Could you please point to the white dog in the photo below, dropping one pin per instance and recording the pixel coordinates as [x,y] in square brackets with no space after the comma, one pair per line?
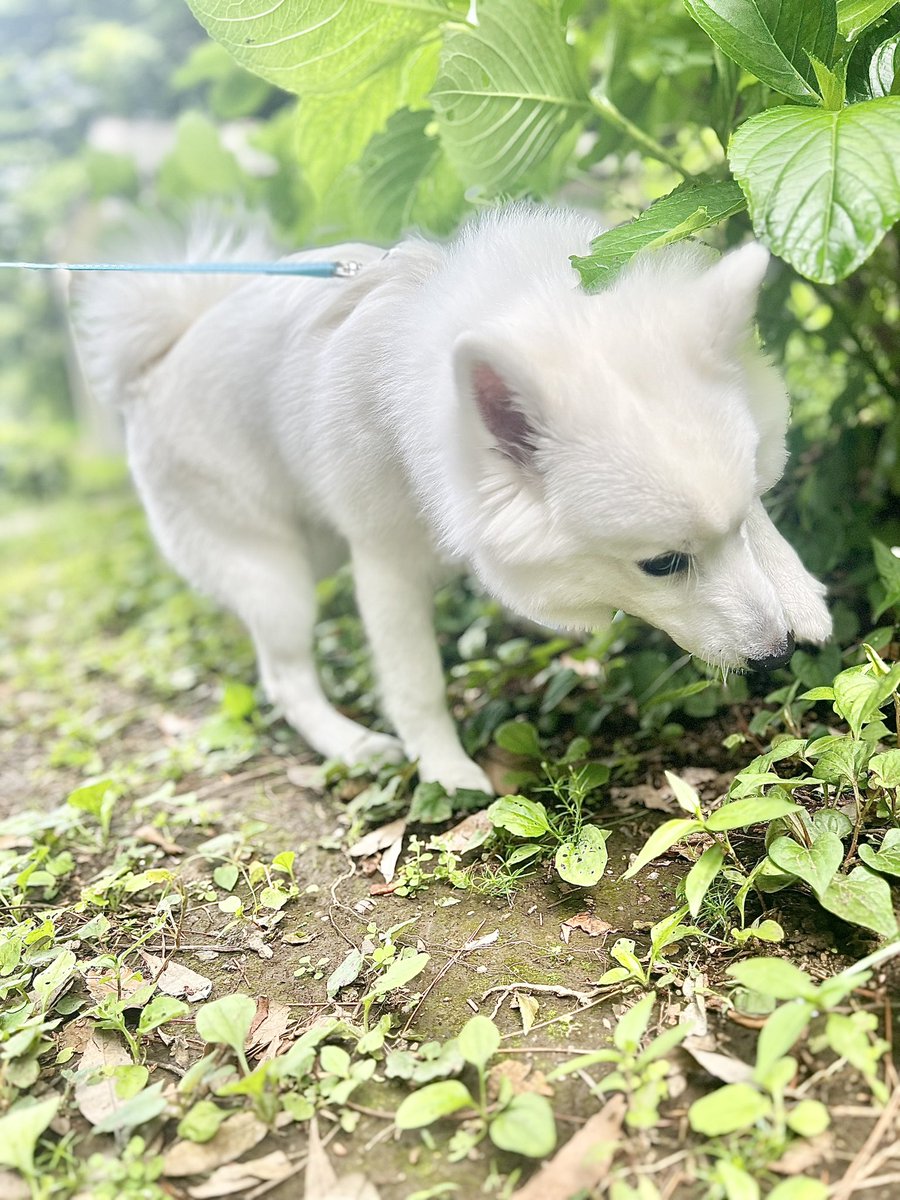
[466,407]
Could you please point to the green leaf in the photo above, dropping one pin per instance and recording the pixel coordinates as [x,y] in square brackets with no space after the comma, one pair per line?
[405,179]
[887,857]
[857,692]
[333,130]
[774,977]
[430,805]
[583,861]
[765,931]
[507,93]
[661,840]
[799,1188]
[632,1025]
[345,973]
[701,875]
[752,811]
[771,38]
[145,1106]
[816,865]
[838,759]
[226,876]
[319,45]
[519,737]
[522,817]
[809,1118]
[885,769]
[20,1131]
[526,1126]
[689,208]
[201,1122]
[737,1183]
[863,898]
[159,1011]
[832,83]
[887,563]
[334,1060]
[854,15]
[399,974]
[687,797]
[227,1021]
[728,1109]
[432,1102]
[478,1040]
[823,187]
[782,1029]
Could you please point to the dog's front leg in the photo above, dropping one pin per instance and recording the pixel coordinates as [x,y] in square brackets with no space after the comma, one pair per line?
[395,595]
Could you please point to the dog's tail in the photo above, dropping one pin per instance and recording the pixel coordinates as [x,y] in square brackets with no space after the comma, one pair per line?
[124,323]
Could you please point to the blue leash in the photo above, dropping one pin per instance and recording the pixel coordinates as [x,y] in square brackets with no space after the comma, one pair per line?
[322,270]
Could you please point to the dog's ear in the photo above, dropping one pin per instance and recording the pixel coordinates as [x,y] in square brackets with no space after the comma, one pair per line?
[730,289]
[486,377]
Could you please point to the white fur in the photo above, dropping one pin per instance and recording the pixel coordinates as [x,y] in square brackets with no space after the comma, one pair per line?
[292,422]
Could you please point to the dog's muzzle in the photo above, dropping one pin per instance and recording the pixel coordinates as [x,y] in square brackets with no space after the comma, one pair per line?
[780,659]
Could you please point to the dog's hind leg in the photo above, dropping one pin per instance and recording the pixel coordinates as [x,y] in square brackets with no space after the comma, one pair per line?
[395,595]
[270,583]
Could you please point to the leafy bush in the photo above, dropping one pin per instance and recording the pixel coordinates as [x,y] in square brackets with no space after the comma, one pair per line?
[780,116]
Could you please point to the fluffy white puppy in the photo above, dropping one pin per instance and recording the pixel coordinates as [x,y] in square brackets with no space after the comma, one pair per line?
[461,407]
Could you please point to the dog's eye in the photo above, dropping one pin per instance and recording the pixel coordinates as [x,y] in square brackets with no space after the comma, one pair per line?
[671,563]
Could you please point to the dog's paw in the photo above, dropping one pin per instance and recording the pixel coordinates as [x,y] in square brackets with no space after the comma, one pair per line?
[454,773]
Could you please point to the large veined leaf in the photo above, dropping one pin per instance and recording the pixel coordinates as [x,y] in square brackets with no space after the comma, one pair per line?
[771,38]
[319,45]
[334,129]
[823,187]
[670,219]
[854,15]
[405,179]
[506,93]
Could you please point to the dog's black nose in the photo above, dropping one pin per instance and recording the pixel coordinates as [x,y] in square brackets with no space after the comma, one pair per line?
[771,661]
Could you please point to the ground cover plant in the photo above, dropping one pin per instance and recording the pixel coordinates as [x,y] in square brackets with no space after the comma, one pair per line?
[662,963]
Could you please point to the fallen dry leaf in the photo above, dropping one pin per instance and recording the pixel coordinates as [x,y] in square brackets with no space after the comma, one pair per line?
[146,833]
[384,889]
[14,1187]
[482,942]
[102,982]
[499,766]
[98,1099]
[645,795]
[237,1177]
[309,776]
[378,839]
[471,832]
[236,1135]
[587,923]
[521,1076]
[804,1154]
[321,1181]
[178,981]
[721,1066]
[74,1036]
[528,1009]
[389,858]
[268,1035]
[320,1175]
[583,1163]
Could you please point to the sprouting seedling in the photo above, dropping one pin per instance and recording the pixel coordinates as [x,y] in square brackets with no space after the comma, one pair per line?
[227,1022]
[522,1124]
